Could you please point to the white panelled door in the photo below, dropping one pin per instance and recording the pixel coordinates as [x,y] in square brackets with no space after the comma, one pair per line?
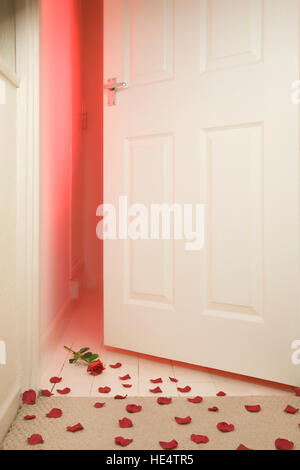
[207,118]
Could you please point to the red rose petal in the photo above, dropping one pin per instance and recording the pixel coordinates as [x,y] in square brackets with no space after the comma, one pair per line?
[184,389]
[46,393]
[173,379]
[253,408]
[125,377]
[213,408]
[225,427]
[35,439]
[65,391]
[133,408]
[297,392]
[99,405]
[29,397]
[195,400]
[120,397]
[77,427]
[125,423]
[284,444]
[291,410]
[29,417]
[168,445]
[156,381]
[55,380]
[155,390]
[127,385]
[198,439]
[221,394]
[115,366]
[242,447]
[54,413]
[121,441]
[104,389]
[186,420]
[164,401]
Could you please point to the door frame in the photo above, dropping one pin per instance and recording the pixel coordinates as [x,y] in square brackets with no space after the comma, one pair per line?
[26,80]
[28,190]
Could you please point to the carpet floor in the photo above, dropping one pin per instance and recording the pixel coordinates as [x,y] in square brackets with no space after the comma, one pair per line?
[155,423]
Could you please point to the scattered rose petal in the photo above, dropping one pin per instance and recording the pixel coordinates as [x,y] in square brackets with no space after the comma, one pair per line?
[116,366]
[297,392]
[195,400]
[242,447]
[104,389]
[127,385]
[29,397]
[173,379]
[164,401]
[156,381]
[253,408]
[221,394]
[168,445]
[284,444]
[46,393]
[55,380]
[35,439]
[54,413]
[184,389]
[291,410]
[95,368]
[198,439]
[225,427]
[213,408]
[65,391]
[186,420]
[77,427]
[99,405]
[125,377]
[29,417]
[121,441]
[133,408]
[125,423]
[120,397]
[155,390]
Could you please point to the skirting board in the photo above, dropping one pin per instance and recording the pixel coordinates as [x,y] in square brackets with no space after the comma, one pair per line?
[55,331]
[8,412]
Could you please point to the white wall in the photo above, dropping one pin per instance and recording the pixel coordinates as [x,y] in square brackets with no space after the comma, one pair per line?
[8,168]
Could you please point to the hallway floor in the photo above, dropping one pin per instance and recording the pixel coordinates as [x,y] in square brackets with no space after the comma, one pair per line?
[80,332]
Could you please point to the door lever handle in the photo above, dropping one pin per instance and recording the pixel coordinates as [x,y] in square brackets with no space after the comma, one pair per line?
[112,86]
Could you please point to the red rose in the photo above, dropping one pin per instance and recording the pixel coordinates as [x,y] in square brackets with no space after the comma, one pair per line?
[96,368]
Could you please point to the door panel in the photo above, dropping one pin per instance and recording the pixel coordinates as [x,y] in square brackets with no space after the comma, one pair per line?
[207,118]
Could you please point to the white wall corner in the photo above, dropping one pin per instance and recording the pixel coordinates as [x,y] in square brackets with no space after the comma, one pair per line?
[8,411]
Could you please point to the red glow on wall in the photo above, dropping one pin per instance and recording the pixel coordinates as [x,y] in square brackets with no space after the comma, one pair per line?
[71,153]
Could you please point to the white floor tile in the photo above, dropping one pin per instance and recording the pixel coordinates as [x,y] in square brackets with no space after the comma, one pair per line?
[168,388]
[191,375]
[198,388]
[235,387]
[151,369]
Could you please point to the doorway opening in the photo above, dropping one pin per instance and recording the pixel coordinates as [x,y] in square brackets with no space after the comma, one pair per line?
[71,174]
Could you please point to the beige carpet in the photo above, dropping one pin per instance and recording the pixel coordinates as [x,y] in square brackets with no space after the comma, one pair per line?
[156,423]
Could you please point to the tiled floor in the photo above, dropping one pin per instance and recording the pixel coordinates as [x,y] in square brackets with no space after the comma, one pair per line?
[140,368]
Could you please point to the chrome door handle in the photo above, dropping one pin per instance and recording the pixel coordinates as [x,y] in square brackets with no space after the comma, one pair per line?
[112,86]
